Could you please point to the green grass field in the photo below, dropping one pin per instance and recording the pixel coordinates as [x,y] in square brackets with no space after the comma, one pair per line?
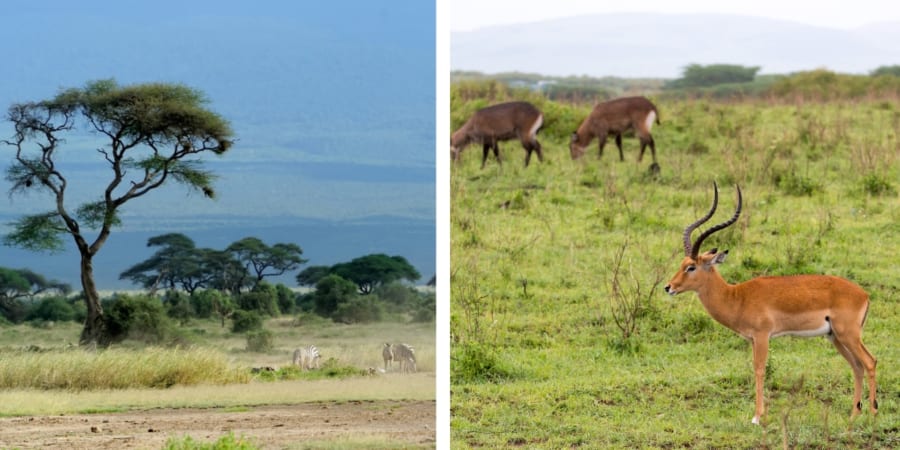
[546,355]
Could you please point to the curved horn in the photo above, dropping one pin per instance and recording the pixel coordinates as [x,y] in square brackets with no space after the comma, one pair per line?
[688,249]
[737,212]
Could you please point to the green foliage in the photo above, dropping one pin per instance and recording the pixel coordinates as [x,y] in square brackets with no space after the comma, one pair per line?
[371,271]
[474,362]
[893,71]
[260,302]
[40,232]
[264,261]
[359,309]
[227,442]
[331,292]
[245,321]
[138,317]
[696,75]
[56,309]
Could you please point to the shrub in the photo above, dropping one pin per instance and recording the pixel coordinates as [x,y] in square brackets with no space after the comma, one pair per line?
[55,309]
[476,362]
[244,321]
[286,299]
[262,302]
[361,309]
[178,306]
[140,317]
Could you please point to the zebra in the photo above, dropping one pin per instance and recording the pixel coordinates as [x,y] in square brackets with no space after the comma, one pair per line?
[307,357]
[387,352]
[406,356]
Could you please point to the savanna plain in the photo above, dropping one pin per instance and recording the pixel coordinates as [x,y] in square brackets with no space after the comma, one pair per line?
[561,333]
[206,394]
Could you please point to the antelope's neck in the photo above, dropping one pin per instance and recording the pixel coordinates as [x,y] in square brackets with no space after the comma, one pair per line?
[718,299]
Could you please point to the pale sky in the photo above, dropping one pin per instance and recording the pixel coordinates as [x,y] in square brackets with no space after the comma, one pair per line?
[467,15]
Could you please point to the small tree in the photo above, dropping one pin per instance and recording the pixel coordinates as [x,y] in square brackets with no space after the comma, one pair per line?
[151,133]
[331,292]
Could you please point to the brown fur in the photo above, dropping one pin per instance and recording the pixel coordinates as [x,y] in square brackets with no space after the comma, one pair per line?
[500,122]
[614,118]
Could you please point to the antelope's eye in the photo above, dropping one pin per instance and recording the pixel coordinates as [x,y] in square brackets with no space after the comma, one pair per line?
[690,268]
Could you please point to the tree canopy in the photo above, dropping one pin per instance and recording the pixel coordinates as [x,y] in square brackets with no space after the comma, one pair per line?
[151,135]
[371,271]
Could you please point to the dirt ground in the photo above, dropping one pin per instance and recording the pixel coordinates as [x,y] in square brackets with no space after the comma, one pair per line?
[269,427]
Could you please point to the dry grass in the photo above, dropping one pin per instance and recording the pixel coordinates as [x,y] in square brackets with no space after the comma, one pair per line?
[19,402]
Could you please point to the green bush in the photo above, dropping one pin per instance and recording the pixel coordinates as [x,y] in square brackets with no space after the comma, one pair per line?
[474,362]
[139,317]
[360,309]
[55,309]
[262,302]
[244,321]
[227,442]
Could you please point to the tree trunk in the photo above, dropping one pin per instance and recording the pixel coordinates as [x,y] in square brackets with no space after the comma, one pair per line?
[94,332]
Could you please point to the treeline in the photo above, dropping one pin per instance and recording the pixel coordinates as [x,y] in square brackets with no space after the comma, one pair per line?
[716,81]
[183,283]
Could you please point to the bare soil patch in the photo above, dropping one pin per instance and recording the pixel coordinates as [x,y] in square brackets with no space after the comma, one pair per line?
[404,422]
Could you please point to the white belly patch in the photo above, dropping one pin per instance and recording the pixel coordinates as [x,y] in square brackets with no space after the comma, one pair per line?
[823,330]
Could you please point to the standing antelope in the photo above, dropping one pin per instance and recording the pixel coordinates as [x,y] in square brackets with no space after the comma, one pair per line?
[500,122]
[772,306]
[615,117]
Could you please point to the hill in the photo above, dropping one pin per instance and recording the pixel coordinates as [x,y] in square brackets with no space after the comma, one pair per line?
[661,45]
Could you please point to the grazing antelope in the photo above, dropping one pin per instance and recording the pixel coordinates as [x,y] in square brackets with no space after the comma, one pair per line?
[307,357]
[772,306]
[387,353]
[613,118]
[500,122]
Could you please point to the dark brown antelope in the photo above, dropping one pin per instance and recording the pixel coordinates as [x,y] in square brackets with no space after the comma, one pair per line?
[613,118]
[768,307]
[497,123]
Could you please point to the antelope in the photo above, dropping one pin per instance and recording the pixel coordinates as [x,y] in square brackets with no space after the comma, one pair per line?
[772,306]
[500,122]
[615,117]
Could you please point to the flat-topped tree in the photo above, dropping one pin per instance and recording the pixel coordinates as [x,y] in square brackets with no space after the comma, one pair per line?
[151,135]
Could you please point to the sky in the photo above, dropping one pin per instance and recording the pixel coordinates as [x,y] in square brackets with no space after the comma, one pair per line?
[467,15]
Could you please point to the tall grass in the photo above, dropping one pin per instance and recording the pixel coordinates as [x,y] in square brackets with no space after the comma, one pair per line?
[116,369]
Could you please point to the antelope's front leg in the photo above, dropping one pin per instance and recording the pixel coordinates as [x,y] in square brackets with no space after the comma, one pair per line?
[760,354]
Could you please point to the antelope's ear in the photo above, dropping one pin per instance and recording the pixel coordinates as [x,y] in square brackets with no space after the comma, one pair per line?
[720,258]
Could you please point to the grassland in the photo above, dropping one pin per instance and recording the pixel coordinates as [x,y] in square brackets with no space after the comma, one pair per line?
[42,373]
[546,354]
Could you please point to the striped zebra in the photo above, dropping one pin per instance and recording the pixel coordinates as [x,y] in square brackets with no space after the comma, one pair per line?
[406,356]
[387,352]
[307,357]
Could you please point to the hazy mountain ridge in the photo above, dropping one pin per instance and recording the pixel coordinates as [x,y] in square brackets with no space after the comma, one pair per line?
[661,45]
[333,115]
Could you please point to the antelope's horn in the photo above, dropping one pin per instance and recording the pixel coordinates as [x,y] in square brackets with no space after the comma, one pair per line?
[737,212]
[688,249]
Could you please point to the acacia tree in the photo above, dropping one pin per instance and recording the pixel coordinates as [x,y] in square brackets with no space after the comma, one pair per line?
[371,271]
[150,134]
[264,261]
